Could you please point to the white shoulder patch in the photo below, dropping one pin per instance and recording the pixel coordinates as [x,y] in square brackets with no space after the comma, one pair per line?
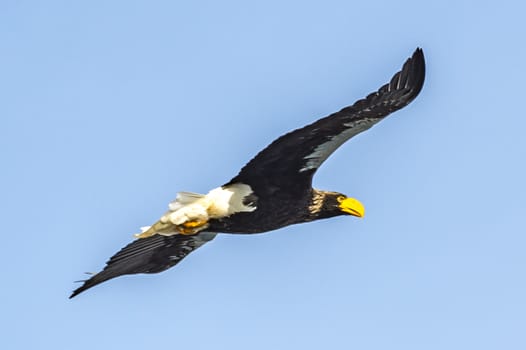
[225,201]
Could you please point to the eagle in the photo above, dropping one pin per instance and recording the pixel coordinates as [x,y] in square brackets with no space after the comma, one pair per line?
[271,191]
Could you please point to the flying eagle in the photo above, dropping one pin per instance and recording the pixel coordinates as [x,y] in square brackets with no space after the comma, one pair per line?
[272,191]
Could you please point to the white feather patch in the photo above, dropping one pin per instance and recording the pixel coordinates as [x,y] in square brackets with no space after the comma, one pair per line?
[219,202]
[184,198]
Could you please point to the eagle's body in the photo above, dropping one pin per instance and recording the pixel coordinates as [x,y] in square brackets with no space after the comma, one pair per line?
[271,191]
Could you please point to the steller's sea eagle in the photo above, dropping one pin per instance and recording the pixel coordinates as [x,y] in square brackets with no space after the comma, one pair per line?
[272,191]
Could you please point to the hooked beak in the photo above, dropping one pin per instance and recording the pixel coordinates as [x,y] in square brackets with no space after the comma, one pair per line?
[353,207]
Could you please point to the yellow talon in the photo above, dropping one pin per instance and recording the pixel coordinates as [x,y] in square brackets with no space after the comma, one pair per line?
[194,224]
[192,227]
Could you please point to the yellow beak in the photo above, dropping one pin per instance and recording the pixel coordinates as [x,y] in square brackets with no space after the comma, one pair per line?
[353,207]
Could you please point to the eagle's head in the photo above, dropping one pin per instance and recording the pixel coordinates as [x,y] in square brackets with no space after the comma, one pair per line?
[326,204]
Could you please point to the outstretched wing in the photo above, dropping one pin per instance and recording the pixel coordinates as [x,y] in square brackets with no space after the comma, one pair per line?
[147,255]
[289,162]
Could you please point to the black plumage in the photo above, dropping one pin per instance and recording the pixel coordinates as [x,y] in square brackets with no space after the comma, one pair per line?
[276,173]
[280,177]
[148,255]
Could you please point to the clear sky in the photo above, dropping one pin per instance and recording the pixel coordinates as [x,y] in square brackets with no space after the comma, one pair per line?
[109,108]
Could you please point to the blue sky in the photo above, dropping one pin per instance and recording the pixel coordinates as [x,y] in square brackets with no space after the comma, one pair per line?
[109,108]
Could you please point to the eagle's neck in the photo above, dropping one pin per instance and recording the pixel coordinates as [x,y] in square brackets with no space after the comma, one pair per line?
[320,206]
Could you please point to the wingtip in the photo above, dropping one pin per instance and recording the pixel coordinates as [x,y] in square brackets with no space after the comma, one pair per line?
[419,58]
[75,293]
[79,290]
[418,71]
[94,280]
